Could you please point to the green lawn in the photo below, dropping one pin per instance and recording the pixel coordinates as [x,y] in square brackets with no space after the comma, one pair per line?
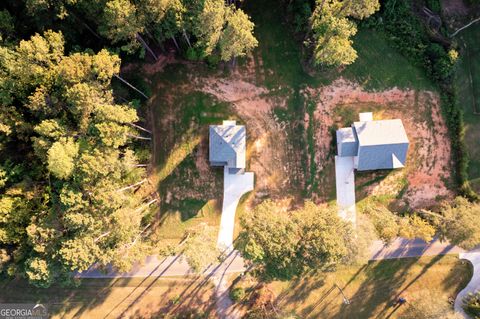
[380,67]
[468,88]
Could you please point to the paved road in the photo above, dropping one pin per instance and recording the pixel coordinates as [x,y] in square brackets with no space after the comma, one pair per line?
[345,186]
[177,266]
[234,187]
[403,248]
[168,266]
[473,285]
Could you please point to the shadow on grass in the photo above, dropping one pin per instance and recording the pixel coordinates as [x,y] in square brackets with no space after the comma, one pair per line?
[382,280]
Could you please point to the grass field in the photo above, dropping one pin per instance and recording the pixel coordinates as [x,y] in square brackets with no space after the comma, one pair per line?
[373,288]
[380,67]
[119,298]
[468,88]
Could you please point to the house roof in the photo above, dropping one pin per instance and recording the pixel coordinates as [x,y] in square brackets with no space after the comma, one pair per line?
[345,135]
[347,143]
[381,132]
[227,144]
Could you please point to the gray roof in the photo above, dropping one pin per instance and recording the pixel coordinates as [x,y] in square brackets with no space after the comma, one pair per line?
[227,145]
[386,156]
[347,142]
[380,132]
[378,144]
[382,144]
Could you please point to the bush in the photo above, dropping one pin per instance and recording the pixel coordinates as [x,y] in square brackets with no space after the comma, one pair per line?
[471,304]
[237,294]
[213,60]
[192,54]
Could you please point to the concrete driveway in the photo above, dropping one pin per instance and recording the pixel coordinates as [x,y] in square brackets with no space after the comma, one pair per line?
[345,184]
[473,285]
[235,185]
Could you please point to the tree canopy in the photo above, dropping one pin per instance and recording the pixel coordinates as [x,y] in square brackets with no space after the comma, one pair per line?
[63,203]
[213,27]
[286,244]
[332,29]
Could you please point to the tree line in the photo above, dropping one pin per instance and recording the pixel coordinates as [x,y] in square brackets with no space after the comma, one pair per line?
[208,28]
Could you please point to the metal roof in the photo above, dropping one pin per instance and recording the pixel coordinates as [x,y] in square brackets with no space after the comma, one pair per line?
[227,144]
[380,132]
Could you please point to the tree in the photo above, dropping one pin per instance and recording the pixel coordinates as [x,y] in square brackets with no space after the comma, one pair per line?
[389,225]
[458,222]
[332,30]
[237,39]
[120,23]
[61,157]
[333,45]
[200,247]
[209,25]
[285,244]
[63,213]
[38,272]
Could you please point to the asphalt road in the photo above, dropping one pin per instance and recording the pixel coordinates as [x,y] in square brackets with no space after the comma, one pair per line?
[177,265]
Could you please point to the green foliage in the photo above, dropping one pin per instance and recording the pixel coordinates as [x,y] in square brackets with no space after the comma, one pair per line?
[237,39]
[70,207]
[200,247]
[332,30]
[410,37]
[38,272]
[389,225]
[237,294]
[285,244]
[120,22]
[471,304]
[61,157]
[459,223]
[134,26]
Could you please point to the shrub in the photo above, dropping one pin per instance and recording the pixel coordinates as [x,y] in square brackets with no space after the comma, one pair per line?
[471,304]
[237,294]
[192,54]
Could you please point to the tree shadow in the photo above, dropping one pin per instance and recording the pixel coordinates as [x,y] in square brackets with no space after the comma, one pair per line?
[383,278]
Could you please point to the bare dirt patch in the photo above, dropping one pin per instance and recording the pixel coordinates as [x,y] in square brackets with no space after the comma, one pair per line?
[429,160]
[270,154]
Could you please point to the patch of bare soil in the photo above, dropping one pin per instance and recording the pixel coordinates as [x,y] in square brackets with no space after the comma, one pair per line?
[151,68]
[270,154]
[428,161]
[454,8]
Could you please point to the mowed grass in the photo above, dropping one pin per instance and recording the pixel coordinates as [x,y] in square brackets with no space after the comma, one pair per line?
[379,66]
[468,88]
[153,297]
[373,288]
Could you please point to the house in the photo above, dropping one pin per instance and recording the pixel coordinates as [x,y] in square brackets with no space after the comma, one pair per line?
[227,145]
[227,148]
[381,144]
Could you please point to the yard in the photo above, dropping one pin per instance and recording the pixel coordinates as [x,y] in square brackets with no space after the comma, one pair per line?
[290,118]
[372,289]
[114,298]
